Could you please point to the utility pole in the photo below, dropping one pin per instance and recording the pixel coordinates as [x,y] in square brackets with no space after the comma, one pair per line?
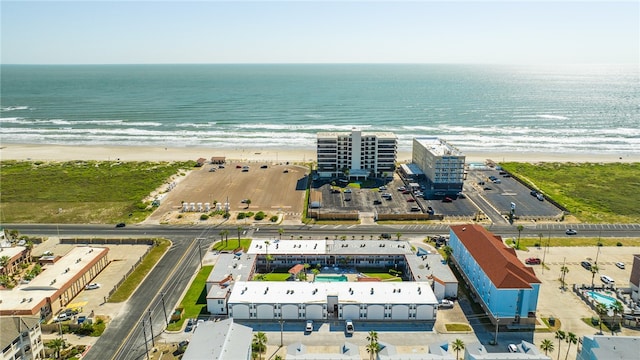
[495,339]
[153,344]
[144,333]
[164,309]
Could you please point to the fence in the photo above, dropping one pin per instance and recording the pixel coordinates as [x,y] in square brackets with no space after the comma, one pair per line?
[105,241]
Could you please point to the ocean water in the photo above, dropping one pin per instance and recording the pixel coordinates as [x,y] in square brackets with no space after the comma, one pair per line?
[478,108]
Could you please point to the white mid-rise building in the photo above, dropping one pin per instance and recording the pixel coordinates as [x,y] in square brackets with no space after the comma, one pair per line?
[21,338]
[441,163]
[361,154]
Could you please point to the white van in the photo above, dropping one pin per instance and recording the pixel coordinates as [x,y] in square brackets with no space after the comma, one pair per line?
[607,280]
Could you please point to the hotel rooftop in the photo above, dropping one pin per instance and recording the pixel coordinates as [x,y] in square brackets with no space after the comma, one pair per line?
[438,146]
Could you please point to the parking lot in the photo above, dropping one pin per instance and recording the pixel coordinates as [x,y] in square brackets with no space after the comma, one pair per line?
[275,189]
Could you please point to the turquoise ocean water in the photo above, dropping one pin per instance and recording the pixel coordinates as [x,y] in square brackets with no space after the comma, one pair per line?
[564,109]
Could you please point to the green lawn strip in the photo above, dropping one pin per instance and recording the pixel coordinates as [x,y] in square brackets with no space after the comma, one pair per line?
[457,327]
[579,241]
[131,283]
[194,302]
[232,244]
[595,193]
[85,191]
[590,321]
[275,276]
[382,276]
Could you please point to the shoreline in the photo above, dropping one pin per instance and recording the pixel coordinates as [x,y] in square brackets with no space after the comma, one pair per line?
[45,152]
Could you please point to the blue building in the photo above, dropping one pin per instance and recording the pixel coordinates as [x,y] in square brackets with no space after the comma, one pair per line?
[505,288]
[601,347]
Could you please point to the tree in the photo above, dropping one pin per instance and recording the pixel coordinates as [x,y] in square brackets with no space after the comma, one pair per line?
[602,310]
[56,344]
[259,343]
[280,232]
[547,346]
[571,339]
[457,346]
[268,258]
[594,270]
[398,235]
[563,272]
[448,250]
[4,261]
[560,335]
[520,228]
[226,237]
[239,231]
[617,308]
[315,273]
[248,202]
[373,348]
[221,236]
[373,336]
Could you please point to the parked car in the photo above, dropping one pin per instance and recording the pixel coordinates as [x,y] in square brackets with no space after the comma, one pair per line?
[533,261]
[92,286]
[121,225]
[620,265]
[220,166]
[447,199]
[212,169]
[571,232]
[238,166]
[61,317]
[347,191]
[585,264]
[540,197]
[533,193]
[446,304]
[402,188]
[349,327]
[385,236]
[264,167]
[382,188]
[188,328]
[607,280]
[377,202]
[411,200]
[309,326]
[486,188]
[512,348]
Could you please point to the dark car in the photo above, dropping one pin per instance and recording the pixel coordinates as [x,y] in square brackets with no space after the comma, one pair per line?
[121,225]
[377,202]
[385,236]
[533,261]
[263,167]
[585,264]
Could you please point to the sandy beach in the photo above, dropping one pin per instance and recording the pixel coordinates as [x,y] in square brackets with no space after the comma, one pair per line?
[42,152]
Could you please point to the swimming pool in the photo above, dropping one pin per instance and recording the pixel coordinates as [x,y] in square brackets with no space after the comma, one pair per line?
[330,278]
[601,298]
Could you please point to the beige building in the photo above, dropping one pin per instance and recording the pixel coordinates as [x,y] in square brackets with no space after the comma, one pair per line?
[362,154]
[442,165]
[61,280]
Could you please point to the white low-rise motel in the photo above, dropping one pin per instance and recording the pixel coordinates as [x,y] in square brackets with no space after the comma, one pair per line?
[330,296]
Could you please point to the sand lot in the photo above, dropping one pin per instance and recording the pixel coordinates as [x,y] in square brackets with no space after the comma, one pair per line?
[271,190]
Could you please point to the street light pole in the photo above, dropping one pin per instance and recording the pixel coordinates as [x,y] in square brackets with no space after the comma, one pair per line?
[153,344]
[495,340]
[164,309]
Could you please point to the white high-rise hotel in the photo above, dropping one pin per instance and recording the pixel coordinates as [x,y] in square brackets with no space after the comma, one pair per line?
[361,153]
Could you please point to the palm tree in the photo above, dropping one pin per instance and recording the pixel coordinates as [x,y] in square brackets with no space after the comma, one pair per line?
[56,344]
[520,228]
[306,268]
[226,237]
[221,236]
[239,231]
[398,235]
[448,250]
[617,308]
[457,346]
[594,270]
[259,343]
[563,271]
[268,258]
[280,232]
[547,346]
[372,337]
[560,335]
[373,349]
[571,339]
[4,261]
[248,202]
[602,310]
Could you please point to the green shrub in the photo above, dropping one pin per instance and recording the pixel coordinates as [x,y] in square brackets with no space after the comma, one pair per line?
[260,215]
[249,214]
[241,216]
[619,243]
[274,218]
[226,215]
[204,217]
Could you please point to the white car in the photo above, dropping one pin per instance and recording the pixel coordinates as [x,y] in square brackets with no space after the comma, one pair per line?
[607,280]
[309,327]
[512,348]
[444,304]
[92,286]
[620,265]
[349,327]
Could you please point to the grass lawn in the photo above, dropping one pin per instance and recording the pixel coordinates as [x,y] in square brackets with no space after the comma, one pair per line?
[579,241]
[232,244]
[457,327]
[131,283]
[194,302]
[588,321]
[81,191]
[275,276]
[382,276]
[594,193]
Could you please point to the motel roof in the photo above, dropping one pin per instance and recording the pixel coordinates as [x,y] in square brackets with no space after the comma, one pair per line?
[497,260]
[327,247]
[296,292]
[53,280]
[219,340]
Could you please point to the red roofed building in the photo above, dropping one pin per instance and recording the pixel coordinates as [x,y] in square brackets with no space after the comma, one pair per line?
[504,287]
